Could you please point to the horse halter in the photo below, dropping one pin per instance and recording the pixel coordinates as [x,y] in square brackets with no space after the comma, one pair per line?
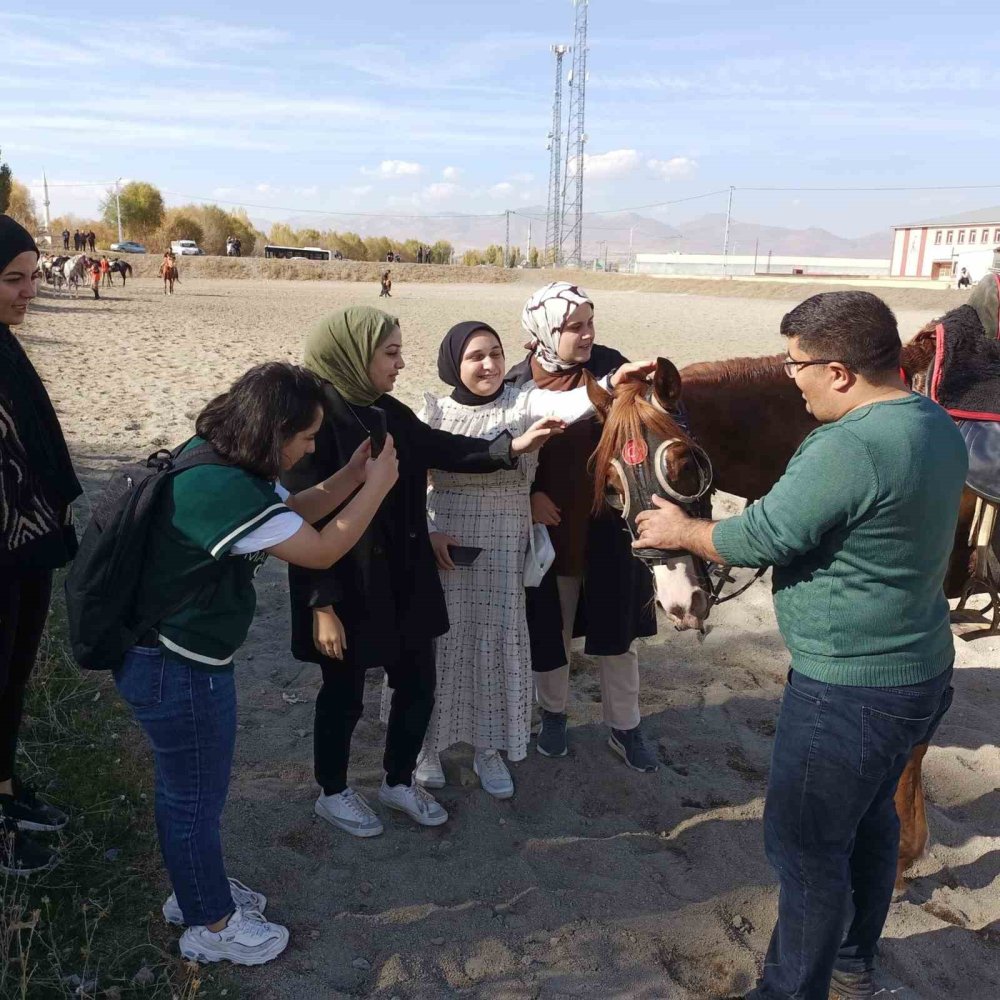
[642,477]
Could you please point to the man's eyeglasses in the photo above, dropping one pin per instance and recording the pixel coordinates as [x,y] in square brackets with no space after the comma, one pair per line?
[792,366]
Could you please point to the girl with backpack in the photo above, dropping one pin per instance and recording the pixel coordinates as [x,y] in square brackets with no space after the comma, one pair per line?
[37,486]
[382,605]
[211,531]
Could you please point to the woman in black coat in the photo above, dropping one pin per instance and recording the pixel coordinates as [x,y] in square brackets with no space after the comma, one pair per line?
[37,486]
[596,587]
[382,604]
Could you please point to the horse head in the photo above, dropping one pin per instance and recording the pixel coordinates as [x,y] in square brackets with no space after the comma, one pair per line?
[646,450]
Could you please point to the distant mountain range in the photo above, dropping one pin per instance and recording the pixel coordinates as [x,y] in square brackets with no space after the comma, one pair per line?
[701,235]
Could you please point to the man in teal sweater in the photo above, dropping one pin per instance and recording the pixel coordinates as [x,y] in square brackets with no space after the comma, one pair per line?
[859,530]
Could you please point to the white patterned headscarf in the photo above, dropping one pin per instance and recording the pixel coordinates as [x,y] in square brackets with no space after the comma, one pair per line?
[544,317]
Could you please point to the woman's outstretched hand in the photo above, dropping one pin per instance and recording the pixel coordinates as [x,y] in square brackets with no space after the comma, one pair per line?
[536,435]
[633,370]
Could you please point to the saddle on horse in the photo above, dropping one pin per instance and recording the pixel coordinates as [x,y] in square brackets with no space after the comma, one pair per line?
[964,378]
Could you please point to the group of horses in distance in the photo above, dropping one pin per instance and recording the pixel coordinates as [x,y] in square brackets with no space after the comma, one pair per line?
[69,272]
[749,418]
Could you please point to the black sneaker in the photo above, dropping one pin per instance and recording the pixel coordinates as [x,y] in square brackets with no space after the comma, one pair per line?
[26,809]
[852,985]
[551,740]
[21,854]
[631,746]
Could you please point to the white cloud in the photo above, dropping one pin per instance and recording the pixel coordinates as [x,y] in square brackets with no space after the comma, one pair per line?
[614,163]
[393,168]
[265,189]
[501,190]
[441,191]
[451,173]
[361,190]
[674,168]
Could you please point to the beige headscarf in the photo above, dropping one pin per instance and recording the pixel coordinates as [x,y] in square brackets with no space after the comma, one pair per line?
[543,319]
[341,346]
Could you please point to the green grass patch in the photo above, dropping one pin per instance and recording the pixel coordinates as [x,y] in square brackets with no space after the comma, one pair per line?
[91,927]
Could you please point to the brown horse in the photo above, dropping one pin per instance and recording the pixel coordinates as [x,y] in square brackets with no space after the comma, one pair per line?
[749,417]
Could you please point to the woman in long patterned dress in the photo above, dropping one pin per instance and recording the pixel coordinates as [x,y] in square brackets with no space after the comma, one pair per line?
[484,661]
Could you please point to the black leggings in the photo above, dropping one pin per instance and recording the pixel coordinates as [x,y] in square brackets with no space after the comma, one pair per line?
[340,704]
[24,605]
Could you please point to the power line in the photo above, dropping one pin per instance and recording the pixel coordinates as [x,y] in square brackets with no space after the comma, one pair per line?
[931,187]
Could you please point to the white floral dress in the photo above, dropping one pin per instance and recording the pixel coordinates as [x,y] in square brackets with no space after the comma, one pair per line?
[484,662]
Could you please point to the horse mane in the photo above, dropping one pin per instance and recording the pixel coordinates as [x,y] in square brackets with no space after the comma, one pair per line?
[625,420]
[735,371]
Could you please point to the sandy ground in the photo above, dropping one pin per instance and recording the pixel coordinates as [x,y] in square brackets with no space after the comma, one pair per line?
[592,881]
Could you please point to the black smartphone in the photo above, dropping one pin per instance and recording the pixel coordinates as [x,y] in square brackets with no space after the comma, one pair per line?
[377,430]
[464,555]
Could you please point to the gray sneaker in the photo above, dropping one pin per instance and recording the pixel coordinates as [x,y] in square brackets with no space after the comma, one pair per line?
[852,985]
[350,812]
[551,739]
[631,746]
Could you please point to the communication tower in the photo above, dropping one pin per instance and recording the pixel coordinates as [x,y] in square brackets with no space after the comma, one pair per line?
[576,139]
[553,221]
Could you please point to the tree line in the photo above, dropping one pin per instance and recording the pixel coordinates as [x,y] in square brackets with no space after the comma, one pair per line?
[145,218]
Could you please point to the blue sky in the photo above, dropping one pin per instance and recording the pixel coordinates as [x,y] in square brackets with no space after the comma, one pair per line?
[444,106]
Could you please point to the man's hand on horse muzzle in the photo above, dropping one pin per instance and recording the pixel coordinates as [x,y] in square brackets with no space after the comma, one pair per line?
[669,527]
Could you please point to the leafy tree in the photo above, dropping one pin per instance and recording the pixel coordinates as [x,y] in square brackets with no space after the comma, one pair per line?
[441,252]
[6,181]
[179,224]
[533,257]
[142,209]
[472,258]
[21,206]
[514,257]
[493,254]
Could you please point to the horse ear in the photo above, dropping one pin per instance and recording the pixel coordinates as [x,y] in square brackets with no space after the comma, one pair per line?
[667,384]
[599,398]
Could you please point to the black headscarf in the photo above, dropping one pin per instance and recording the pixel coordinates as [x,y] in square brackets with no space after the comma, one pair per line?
[49,469]
[450,362]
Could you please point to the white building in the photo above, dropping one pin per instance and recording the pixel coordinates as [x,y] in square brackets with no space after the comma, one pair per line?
[940,248]
[715,265]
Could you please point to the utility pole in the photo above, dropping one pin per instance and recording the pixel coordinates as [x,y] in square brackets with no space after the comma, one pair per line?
[553,221]
[118,204]
[725,239]
[506,242]
[576,139]
[527,256]
[48,218]
[631,258]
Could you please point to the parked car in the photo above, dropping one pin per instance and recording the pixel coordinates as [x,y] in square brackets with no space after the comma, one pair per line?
[185,248]
[128,246]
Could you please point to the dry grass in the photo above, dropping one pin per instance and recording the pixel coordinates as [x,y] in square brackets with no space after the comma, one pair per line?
[91,927]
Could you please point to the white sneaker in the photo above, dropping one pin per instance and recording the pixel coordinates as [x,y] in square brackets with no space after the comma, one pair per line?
[349,811]
[248,939]
[418,804]
[243,897]
[429,772]
[493,774]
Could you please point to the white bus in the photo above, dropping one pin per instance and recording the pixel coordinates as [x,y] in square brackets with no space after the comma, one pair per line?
[297,253]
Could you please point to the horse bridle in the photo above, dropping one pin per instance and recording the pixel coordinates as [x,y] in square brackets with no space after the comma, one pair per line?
[641,479]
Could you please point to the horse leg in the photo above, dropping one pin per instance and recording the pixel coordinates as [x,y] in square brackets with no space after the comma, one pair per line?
[910,807]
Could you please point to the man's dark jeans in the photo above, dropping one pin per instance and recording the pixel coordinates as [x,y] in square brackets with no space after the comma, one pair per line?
[830,825]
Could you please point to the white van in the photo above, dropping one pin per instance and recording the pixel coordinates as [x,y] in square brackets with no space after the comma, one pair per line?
[185,248]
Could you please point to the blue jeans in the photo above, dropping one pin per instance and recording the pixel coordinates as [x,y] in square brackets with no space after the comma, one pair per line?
[830,826]
[189,716]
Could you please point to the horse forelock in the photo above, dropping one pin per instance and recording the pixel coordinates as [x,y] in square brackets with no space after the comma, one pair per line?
[627,420]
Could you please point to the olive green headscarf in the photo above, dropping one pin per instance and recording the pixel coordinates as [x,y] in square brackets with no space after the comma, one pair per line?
[341,346]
